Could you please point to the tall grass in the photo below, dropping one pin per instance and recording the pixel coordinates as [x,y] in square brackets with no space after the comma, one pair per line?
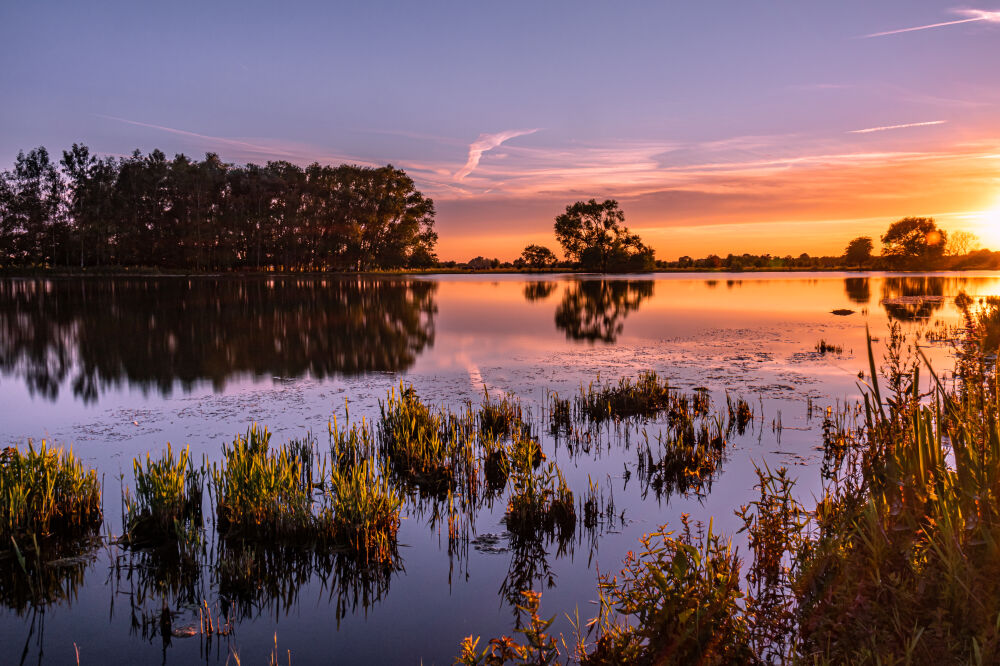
[264,493]
[167,499]
[365,511]
[46,492]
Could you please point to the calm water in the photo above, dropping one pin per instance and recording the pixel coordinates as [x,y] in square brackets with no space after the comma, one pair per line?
[119,367]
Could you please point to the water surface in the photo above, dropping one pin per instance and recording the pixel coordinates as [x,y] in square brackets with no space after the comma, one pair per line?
[120,366]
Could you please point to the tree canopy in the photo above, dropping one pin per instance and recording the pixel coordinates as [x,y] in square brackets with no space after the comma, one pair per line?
[538,256]
[146,210]
[595,235]
[859,251]
[914,240]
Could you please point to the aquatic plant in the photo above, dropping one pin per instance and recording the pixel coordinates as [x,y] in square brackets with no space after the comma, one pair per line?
[645,397]
[540,501]
[350,445]
[502,417]
[363,511]
[823,348]
[539,647]
[740,414]
[424,447]
[264,493]
[46,492]
[684,458]
[167,495]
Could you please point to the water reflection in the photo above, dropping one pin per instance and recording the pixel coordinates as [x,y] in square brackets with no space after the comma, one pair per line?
[538,291]
[915,298]
[151,333]
[595,310]
[858,290]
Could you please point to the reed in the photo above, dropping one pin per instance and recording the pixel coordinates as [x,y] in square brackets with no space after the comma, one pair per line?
[264,493]
[645,397]
[823,348]
[540,501]
[428,448]
[502,417]
[365,511]
[167,499]
[47,493]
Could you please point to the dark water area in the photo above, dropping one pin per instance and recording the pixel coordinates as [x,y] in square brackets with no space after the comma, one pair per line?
[117,367]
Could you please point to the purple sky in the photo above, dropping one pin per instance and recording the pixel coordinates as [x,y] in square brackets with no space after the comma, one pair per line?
[727,126]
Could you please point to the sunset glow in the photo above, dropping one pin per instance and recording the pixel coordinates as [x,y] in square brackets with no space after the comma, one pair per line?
[781,129]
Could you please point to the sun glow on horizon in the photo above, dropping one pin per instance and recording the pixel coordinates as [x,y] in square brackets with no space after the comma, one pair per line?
[989,227]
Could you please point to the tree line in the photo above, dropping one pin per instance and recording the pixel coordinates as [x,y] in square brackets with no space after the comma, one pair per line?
[147,210]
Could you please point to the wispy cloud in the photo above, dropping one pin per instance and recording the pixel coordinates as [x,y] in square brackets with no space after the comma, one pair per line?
[883,128]
[971,16]
[243,149]
[484,143]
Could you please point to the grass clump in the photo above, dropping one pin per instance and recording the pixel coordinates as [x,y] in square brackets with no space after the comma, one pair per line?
[264,493]
[823,348]
[365,511]
[423,446]
[46,492]
[167,500]
[645,397]
[503,417]
[540,501]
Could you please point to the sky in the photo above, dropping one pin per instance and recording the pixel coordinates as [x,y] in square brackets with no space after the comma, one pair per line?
[781,127]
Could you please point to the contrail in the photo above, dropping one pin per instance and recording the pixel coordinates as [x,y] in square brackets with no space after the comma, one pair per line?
[482,144]
[892,127]
[973,14]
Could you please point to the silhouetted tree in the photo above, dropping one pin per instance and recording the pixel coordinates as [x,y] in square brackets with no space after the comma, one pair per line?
[595,235]
[859,251]
[913,240]
[148,210]
[538,256]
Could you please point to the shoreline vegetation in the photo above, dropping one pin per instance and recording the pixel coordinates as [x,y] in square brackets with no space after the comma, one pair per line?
[150,213]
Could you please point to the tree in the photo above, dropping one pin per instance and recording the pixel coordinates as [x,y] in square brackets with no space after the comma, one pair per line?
[595,235]
[859,251]
[479,263]
[914,240]
[538,256]
[961,243]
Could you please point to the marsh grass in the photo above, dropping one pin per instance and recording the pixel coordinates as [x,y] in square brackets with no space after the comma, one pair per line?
[740,414]
[823,348]
[47,493]
[166,505]
[265,493]
[365,511]
[540,501]
[644,397]
[503,417]
[428,448]
[684,458]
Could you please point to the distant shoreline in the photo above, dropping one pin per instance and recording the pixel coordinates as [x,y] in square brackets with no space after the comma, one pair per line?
[62,272]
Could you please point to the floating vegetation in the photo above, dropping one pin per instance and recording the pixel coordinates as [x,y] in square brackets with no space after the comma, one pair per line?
[823,348]
[46,492]
[166,505]
[842,312]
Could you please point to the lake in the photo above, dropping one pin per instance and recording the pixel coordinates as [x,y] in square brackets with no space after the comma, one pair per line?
[117,367]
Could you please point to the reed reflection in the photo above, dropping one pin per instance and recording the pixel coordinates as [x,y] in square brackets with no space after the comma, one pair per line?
[154,333]
[595,310]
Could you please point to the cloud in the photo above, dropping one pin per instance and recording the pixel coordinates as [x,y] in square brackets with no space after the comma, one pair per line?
[883,128]
[971,16]
[484,143]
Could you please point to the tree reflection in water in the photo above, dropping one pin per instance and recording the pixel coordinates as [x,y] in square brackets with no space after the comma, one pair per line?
[858,290]
[595,310]
[152,333]
[538,291]
[917,297]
